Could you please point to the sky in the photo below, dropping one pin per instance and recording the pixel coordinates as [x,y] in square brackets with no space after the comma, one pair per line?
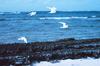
[41,5]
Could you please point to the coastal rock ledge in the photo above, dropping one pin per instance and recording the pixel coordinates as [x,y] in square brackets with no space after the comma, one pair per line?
[68,48]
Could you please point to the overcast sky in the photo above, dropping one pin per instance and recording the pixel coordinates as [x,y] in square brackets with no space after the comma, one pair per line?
[65,5]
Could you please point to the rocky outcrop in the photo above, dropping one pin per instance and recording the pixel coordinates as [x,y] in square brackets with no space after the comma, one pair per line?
[51,50]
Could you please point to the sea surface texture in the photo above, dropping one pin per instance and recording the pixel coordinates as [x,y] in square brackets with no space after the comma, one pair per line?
[46,27]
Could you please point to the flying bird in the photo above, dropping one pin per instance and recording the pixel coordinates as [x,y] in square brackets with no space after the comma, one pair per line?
[52,9]
[32,13]
[64,25]
[24,39]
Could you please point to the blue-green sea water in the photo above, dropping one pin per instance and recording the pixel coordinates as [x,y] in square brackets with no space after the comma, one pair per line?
[46,27]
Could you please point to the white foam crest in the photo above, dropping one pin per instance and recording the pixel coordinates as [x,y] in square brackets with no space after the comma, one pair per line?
[93,16]
[79,17]
[70,62]
[59,18]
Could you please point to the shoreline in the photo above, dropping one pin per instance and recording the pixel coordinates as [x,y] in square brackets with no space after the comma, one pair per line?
[68,48]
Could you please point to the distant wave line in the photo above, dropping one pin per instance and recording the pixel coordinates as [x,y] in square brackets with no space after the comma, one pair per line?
[46,17]
[63,17]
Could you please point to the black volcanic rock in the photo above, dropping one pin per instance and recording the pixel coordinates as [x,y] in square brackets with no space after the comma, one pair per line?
[52,50]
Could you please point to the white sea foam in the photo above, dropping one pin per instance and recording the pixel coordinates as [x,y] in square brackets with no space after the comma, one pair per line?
[79,17]
[93,16]
[59,18]
[70,62]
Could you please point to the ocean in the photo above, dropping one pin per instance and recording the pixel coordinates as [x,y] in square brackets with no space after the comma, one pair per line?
[45,26]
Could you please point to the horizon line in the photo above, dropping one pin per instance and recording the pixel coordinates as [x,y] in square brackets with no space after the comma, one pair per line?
[57,11]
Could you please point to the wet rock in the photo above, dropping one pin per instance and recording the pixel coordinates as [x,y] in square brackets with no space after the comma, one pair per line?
[52,50]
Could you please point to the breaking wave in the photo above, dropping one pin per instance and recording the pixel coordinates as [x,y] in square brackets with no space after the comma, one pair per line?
[63,18]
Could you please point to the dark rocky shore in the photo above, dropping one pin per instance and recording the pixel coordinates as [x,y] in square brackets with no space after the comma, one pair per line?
[21,53]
